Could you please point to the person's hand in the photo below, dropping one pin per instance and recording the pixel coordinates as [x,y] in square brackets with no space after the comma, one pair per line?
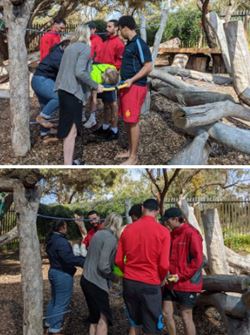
[100,88]
[172,278]
[78,220]
[129,82]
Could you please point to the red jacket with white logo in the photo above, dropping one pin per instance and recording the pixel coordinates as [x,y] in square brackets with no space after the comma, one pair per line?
[96,46]
[143,251]
[186,258]
[48,40]
[112,52]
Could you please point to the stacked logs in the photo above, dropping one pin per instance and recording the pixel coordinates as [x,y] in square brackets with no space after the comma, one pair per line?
[201,113]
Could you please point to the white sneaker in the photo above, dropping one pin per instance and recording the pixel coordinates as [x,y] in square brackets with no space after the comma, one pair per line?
[90,123]
[84,119]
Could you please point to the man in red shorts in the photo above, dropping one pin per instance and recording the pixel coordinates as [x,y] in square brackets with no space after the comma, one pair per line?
[136,65]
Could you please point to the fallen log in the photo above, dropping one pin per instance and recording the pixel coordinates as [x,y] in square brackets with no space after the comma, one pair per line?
[233,137]
[240,58]
[8,237]
[238,262]
[188,117]
[193,97]
[171,80]
[195,153]
[217,26]
[226,283]
[216,254]
[202,76]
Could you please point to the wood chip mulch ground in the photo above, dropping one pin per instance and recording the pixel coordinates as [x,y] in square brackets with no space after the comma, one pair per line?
[208,322]
[160,140]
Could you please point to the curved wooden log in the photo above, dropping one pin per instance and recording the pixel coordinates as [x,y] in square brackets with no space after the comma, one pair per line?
[195,153]
[226,283]
[234,137]
[171,80]
[227,305]
[202,76]
[8,237]
[188,117]
[217,260]
[238,262]
[240,58]
[217,26]
[193,98]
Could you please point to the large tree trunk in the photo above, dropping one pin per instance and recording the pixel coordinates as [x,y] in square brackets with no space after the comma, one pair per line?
[127,208]
[217,260]
[210,37]
[240,59]
[195,153]
[189,117]
[19,75]
[27,203]
[143,30]
[207,77]
[217,25]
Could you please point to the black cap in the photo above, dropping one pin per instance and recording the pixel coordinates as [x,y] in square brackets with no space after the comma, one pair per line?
[172,212]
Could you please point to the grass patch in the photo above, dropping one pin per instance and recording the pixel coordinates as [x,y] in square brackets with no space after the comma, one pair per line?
[238,242]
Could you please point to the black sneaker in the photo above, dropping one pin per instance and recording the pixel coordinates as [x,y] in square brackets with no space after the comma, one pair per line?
[101,132]
[111,136]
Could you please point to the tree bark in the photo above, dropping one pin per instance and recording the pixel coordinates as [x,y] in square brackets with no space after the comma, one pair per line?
[217,25]
[202,76]
[240,59]
[217,260]
[238,262]
[195,153]
[210,37]
[226,283]
[127,208]
[143,30]
[189,117]
[27,203]
[19,76]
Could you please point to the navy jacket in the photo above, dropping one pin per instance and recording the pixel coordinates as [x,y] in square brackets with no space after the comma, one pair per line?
[61,255]
[49,66]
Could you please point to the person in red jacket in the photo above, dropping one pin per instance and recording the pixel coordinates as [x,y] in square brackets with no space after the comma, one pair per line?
[143,257]
[184,281]
[112,53]
[96,42]
[51,38]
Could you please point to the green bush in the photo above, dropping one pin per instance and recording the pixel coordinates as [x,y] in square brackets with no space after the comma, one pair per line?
[185,24]
[238,242]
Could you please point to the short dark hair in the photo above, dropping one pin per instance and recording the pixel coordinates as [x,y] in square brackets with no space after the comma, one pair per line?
[173,212]
[91,25]
[151,205]
[58,20]
[115,22]
[92,212]
[127,21]
[136,211]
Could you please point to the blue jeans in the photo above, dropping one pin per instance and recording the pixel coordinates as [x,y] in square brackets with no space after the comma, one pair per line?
[47,97]
[61,293]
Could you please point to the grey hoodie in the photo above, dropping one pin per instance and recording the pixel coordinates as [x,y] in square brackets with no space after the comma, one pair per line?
[74,72]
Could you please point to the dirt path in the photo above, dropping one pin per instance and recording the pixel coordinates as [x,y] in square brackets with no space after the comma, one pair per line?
[75,323]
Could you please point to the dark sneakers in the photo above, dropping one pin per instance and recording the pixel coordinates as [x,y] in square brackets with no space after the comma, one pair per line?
[101,132]
[110,135]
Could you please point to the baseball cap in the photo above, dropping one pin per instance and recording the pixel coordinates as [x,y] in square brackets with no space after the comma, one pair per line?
[172,212]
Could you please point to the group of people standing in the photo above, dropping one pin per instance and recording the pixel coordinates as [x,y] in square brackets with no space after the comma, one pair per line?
[160,263]
[65,78]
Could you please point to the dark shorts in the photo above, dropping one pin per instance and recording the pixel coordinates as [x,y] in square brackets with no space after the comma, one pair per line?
[97,301]
[108,97]
[187,299]
[70,112]
[143,303]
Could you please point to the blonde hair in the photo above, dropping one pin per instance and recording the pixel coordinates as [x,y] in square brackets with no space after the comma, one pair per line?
[114,222]
[81,34]
[111,77]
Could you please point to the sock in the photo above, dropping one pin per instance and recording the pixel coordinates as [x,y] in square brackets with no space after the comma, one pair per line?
[114,129]
[92,116]
[105,126]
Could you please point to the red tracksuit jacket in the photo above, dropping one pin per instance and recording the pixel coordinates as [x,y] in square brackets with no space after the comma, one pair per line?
[48,40]
[186,258]
[145,245]
[112,52]
[96,46]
